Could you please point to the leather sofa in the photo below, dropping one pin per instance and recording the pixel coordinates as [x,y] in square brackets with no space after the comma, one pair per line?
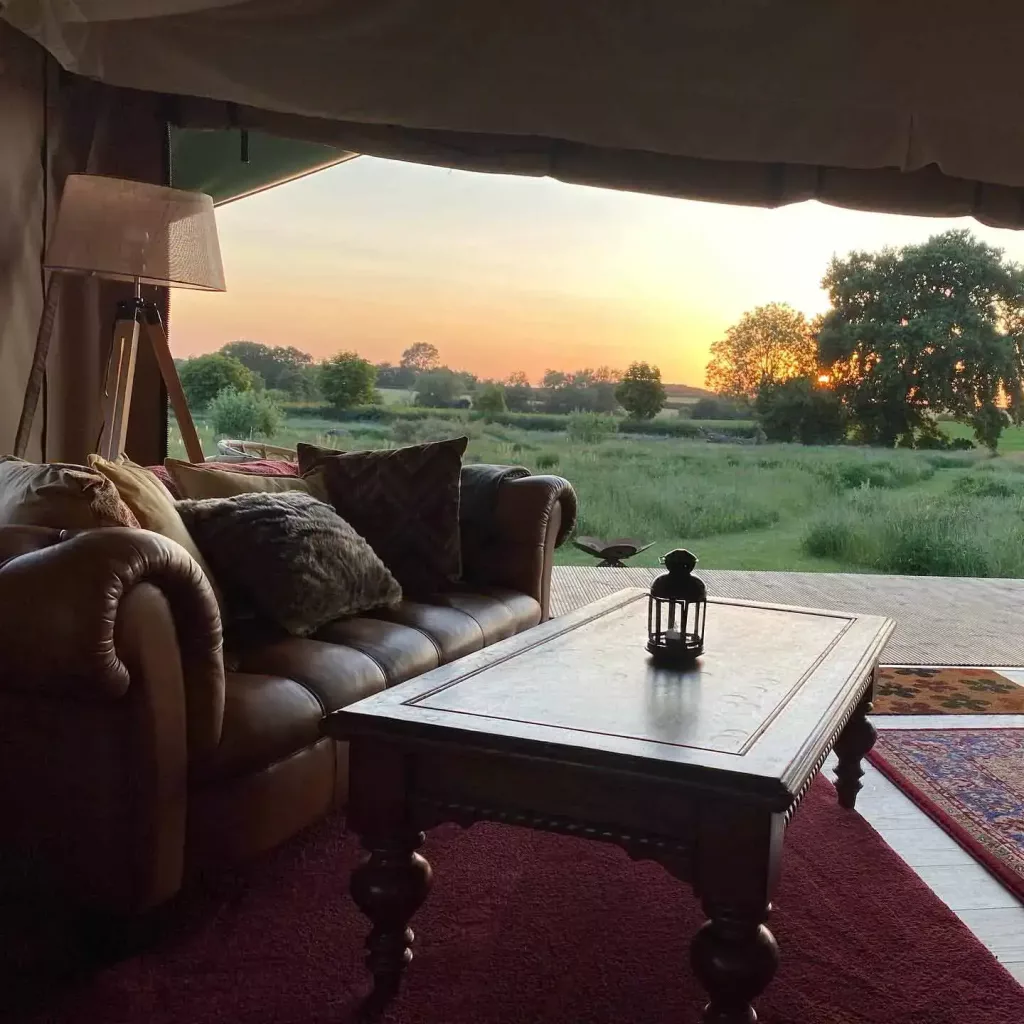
[136,752]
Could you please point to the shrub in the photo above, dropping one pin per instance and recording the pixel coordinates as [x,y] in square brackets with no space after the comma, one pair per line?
[640,392]
[716,408]
[988,486]
[589,427]
[432,428]
[800,410]
[547,460]
[831,536]
[244,414]
[347,380]
[439,389]
[490,399]
[849,473]
[404,431]
[205,377]
[950,461]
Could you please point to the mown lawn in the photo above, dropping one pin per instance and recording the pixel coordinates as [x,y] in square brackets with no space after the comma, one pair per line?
[1012,439]
[743,506]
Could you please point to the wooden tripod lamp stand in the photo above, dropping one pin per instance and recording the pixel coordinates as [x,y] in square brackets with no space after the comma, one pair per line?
[145,234]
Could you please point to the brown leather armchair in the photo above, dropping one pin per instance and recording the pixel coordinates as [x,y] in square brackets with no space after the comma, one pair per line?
[134,752]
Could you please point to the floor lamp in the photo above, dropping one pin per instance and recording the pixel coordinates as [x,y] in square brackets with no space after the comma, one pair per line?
[144,234]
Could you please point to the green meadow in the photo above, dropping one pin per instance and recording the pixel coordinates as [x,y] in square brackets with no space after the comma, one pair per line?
[746,506]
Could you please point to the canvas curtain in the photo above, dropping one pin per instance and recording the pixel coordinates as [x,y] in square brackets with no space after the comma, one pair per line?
[876,104]
[49,124]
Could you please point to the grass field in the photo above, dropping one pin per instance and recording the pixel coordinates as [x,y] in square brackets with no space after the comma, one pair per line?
[753,506]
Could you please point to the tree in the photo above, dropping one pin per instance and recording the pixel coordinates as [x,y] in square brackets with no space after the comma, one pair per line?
[421,357]
[800,409]
[518,392]
[348,380]
[770,344]
[205,377]
[490,399]
[282,369]
[923,329]
[640,392]
[714,407]
[398,377]
[439,389]
[244,414]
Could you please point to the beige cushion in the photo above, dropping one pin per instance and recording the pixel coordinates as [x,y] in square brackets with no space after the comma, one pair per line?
[208,482]
[151,502]
[61,496]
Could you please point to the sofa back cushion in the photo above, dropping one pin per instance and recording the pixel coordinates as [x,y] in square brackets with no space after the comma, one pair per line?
[213,480]
[59,496]
[251,467]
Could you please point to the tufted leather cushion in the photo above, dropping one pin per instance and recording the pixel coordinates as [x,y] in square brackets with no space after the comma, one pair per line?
[266,719]
[453,632]
[336,675]
[401,651]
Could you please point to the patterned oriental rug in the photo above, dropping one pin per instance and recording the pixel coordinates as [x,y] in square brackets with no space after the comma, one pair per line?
[971,783]
[946,691]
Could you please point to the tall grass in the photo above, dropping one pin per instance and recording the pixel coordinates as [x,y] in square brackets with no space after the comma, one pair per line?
[765,506]
[944,535]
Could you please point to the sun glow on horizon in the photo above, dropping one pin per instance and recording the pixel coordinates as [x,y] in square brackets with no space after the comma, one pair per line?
[504,273]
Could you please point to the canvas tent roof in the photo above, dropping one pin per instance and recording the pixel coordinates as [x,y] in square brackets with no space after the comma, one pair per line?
[875,104]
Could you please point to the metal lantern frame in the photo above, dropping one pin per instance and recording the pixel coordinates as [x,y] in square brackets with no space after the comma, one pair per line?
[677,612]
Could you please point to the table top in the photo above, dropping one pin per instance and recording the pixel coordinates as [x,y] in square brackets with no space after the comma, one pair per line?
[762,704]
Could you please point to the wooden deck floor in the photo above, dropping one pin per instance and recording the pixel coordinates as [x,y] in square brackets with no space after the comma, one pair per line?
[940,621]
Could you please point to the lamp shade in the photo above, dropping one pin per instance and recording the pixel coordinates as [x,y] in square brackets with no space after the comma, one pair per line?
[134,231]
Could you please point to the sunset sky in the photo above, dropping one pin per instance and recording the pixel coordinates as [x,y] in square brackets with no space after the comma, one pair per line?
[505,273]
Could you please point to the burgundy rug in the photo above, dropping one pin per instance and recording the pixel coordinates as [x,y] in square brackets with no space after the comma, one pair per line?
[526,928]
[971,783]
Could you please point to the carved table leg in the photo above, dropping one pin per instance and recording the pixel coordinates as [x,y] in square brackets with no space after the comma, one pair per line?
[734,956]
[388,887]
[737,855]
[854,742]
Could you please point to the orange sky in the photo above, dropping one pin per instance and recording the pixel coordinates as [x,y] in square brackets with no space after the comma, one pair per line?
[504,273]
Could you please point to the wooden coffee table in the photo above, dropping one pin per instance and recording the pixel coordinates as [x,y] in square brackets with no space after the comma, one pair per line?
[569,728]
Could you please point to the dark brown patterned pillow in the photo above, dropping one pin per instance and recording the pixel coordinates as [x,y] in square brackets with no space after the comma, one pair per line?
[405,503]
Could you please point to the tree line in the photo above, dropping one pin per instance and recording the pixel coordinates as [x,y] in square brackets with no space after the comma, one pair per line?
[254,376]
[913,334]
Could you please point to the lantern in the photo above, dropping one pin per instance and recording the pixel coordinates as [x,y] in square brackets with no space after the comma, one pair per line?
[676,611]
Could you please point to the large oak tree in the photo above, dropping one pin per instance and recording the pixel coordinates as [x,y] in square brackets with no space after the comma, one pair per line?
[923,329]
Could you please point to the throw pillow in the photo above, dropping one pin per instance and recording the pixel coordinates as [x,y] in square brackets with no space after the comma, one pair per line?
[152,504]
[60,496]
[290,558]
[208,481]
[405,502]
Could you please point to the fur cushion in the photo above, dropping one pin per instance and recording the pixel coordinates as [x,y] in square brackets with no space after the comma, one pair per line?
[288,558]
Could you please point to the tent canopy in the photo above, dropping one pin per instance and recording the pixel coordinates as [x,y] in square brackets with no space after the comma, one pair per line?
[876,104]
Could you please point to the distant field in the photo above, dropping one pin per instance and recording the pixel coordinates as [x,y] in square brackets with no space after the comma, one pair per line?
[751,506]
[396,396]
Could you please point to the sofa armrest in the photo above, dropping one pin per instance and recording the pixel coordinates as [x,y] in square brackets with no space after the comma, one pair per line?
[111,679]
[532,516]
[61,596]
